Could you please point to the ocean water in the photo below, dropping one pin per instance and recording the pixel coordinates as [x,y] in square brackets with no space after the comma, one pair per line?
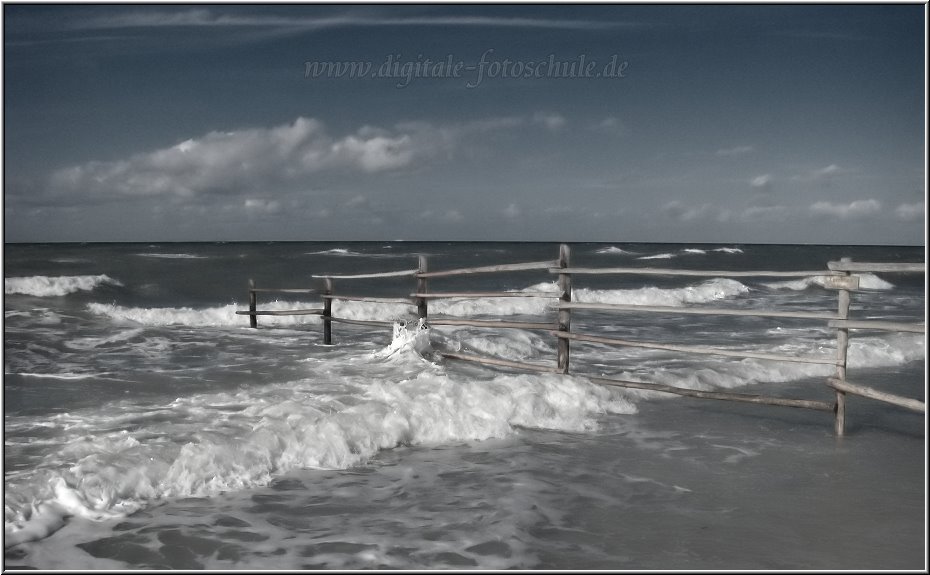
[146,426]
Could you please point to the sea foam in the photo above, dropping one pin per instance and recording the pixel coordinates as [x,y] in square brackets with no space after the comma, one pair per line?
[52,286]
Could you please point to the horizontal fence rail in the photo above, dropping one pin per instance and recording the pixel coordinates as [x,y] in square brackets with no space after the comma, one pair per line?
[838,276]
[694,349]
[479,295]
[678,310]
[697,273]
[850,266]
[489,269]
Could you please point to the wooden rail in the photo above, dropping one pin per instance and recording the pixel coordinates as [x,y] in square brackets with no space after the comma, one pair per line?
[474,295]
[838,276]
[489,269]
[694,349]
[851,266]
[677,310]
[872,393]
[720,395]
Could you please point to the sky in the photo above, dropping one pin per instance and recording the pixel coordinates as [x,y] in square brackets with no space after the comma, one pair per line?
[604,122]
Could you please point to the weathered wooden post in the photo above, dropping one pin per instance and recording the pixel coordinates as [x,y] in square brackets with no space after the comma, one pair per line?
[422,286]
[565,315]
[253,319]
[327,311]
[842,345]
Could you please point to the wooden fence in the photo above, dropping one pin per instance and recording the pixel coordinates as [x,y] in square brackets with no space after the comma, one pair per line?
[838,276]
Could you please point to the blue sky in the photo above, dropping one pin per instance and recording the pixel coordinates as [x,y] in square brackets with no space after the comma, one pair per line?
[684,123]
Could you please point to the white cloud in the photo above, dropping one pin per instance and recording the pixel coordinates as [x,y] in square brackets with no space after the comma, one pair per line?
[357,201]
[683,213]
[611,125]
[852,210]
[452,216]
[512,211]
[830,170]
[204,18]
[735,151]
[253,205]
[249,160]
[551,121]
[824,175]
[763,182]
[763,213]
[910,212]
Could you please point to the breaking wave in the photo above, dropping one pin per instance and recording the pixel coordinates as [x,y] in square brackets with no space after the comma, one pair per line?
[52,286]
[867,281]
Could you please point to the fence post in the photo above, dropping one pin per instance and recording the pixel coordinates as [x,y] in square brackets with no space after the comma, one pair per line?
[842,345]
[422,287]
[327,312]
[565,315]
[253,319]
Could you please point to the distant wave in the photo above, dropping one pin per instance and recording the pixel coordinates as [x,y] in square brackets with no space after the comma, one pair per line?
[51,286]
[334,252]
[866,281]
[708,291]
[219,316]
[616,251]
[694,251]
[346,253]
[665,256]
[172,256]
[204,317]
[66,376]
[728,250]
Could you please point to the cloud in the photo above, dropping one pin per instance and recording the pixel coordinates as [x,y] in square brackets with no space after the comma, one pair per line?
[910,212]
[204,18]
[611,125]
[762,183]
[830,170]
[682,213]
[763,213]
[825,175]
[357,201]
[250,160]
[853,210]
[735,151]
[512,211]
[550,120]
[261,206]
[452,216]
[448,216]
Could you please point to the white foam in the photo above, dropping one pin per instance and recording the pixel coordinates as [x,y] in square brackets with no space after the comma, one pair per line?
[407,338]
[63,376]
[710,290]
[728,250]
[694,251]
[334,252]
[87,343]
[51,286]
[616,251]
[181,256]
[864,352]
[867,281]
[230,441]
[665,256]
[204,317]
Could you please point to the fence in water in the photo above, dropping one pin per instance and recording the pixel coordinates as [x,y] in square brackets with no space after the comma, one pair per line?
[839,276]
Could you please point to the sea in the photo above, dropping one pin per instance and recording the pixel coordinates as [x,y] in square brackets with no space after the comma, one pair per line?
[148,426]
